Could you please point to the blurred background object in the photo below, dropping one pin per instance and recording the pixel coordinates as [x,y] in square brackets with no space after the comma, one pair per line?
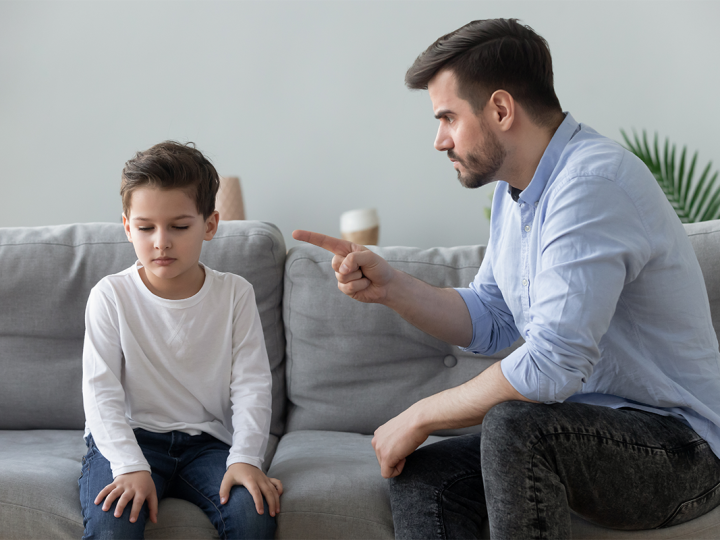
[360,226]
[229,200]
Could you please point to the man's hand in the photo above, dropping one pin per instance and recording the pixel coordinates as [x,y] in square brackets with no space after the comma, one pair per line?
[361,274]
[136,487]
[397,439]
[259,485]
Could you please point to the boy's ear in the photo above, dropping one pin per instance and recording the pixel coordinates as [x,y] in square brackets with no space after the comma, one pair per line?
[126,224]
[211,225]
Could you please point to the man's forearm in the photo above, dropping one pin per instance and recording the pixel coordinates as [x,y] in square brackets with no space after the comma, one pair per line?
[439,312]
[467,404]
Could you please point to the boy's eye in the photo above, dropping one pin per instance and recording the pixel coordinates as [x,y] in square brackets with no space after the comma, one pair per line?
[145,228]
[183,227]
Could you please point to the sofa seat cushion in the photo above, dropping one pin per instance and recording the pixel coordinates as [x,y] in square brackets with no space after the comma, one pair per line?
[705,527]
[39,495]
[333,487]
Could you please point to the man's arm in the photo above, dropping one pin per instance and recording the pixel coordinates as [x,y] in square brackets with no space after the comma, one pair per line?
[462,406]
[367,277]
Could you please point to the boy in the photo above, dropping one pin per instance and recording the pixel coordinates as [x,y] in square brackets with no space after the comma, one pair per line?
[176,379]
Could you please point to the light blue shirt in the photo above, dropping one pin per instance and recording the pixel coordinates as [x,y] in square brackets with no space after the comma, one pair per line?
[592,267]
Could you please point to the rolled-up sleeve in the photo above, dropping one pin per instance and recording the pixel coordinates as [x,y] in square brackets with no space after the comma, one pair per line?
[492,321]
[592,244]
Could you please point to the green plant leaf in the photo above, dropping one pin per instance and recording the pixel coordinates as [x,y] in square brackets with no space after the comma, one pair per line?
[692,200]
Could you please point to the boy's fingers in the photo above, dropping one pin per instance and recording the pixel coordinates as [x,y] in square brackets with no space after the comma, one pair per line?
[107,489]
[122,503]
[278,485]
[225,488]
[152,501]
[137,504]
[272,498]
[114,494]
[257,497]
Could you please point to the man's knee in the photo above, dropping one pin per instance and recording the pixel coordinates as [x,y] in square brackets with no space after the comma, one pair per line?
[511,423]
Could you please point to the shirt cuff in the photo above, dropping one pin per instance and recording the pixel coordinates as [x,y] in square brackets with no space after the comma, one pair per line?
[117,471]
[525,376]
[255,462]
[478,312]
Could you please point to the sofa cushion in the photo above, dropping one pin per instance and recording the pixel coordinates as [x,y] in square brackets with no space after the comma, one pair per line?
[40,498]
[705,239]
[47,274]
[353,366]
[332,487]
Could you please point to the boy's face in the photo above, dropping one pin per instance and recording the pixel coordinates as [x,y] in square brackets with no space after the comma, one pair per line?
[167,233]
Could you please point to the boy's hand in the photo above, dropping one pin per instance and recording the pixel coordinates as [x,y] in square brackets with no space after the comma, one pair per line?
[259,485]
[136,487]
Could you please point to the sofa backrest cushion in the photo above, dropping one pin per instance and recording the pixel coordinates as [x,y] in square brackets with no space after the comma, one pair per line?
[46,274]
[705,239]
[353,366]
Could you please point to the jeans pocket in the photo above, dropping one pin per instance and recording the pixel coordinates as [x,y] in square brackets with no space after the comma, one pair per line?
[694,508]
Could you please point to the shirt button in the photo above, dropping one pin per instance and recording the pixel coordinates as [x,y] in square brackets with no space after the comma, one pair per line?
[450,360]
[525,282]
[527,228]
[536,203]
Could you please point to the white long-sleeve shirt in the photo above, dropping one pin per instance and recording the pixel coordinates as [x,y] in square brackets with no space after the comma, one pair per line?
[197,365]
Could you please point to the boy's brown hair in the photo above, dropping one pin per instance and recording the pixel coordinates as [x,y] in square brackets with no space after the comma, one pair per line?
[171,165]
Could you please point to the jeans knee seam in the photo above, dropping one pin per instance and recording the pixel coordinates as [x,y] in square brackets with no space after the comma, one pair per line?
[223,535]
[447,485]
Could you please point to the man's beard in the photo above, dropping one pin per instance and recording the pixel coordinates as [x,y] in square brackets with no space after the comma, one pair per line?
[482,163]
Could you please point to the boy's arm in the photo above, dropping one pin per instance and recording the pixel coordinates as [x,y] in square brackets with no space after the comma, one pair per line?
[103,393]
[104,404]
[251,400]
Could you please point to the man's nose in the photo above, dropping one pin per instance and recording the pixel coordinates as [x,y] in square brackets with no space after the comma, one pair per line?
[443,141]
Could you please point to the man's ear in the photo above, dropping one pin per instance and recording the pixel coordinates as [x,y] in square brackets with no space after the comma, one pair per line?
[502,109]
[126,224]
[211,225]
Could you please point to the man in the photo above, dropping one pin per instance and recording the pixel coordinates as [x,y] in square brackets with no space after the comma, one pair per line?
[611,406]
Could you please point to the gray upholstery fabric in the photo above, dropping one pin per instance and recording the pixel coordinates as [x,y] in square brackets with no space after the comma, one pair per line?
[333,487]
[47,274]
[705,239]
[353,366]
[39,496]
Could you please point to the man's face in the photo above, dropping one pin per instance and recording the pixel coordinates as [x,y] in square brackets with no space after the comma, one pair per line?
[475,151]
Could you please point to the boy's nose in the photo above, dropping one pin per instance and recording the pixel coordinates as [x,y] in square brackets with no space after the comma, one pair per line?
[162,241]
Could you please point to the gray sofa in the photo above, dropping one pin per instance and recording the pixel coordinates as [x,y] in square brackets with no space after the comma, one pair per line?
[340,369]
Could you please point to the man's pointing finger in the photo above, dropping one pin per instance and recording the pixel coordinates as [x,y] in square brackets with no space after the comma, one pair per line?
[334,245]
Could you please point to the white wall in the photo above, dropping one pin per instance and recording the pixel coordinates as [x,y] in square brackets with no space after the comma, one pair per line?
[305,100]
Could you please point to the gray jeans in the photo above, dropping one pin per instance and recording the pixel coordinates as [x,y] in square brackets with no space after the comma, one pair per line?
[533,463]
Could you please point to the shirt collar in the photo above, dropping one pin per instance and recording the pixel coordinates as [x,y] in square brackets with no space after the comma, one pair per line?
[548,162]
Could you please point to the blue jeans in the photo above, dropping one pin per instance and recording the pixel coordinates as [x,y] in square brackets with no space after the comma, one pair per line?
[184,467]
[533,463]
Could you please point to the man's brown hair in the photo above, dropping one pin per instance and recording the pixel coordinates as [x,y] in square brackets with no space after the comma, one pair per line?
[489,55]
[171,165]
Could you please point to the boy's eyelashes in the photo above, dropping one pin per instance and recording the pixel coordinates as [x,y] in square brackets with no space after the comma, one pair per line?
[178,227]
